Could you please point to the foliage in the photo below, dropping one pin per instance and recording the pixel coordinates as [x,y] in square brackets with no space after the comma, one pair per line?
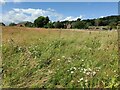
[41,21]
[29,24]
[58,25]
[113,25]
[12,24]
[49,25]
[111,21]
[79,25]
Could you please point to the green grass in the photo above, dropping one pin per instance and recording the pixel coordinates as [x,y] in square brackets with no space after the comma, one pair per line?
[59,59]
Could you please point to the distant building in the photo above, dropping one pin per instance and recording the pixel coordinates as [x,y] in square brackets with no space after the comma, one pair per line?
[20,25]
[25,24]
[69,26]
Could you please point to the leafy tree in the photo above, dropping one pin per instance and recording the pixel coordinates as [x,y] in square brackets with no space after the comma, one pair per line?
[113,25]
[12,24]
[79,25]
[58,25]
[50,25]
[78,19]
[46,20]
[41,21]
[29,24]
[97,22]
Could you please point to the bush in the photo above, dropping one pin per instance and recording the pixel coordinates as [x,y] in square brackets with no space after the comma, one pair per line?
[58,25]
[79,25]
[12,24]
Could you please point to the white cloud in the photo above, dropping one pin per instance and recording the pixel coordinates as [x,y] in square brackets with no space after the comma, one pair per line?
[2,2]
[50,9]
[70,18]
[101,16]
[17,0]
[17,15]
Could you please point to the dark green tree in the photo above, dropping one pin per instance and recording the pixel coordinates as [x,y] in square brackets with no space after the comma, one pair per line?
[29,24]
[58,25]
[79,25]
[41,21]
[78,19]
[50,25]
[113,25]
[12,24]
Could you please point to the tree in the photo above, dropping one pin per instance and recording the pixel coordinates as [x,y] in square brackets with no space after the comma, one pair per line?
[79,25]
[113,25]
[12,24]
[97,22]
[41,21]
[46,20]
[29,24]
[50,25]
[58,25]
[78,19]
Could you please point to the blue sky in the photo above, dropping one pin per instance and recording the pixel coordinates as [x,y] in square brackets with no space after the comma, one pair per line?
[58,10]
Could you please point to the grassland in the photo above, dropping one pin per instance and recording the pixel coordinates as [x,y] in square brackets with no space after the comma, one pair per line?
[59,58]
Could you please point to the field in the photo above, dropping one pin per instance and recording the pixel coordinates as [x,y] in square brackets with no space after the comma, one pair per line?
[57,58]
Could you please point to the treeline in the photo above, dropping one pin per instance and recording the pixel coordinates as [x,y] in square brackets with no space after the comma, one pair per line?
[45,22]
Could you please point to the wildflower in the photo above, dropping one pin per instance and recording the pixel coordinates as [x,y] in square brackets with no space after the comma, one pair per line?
[82,60]
[86,84]
[72,81]
[50,71]
[90,48]
[19,48]
[63,56]
[36,46]
[81,69]
[88,73]
[74,68]
[89,69]
[68,70]
[85,69]
[94,73]
[82,65]
[86,80]
[58,59]
[98,48]
[69,61]
[72,72]
[81,79]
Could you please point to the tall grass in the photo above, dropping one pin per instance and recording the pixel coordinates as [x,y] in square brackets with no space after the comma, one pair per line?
[59,59]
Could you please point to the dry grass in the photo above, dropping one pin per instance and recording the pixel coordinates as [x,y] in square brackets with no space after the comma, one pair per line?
[34,57]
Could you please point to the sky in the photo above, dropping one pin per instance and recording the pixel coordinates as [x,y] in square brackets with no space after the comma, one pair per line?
[28,11]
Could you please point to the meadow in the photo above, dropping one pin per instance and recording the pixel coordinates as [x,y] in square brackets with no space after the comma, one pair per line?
[56,58]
